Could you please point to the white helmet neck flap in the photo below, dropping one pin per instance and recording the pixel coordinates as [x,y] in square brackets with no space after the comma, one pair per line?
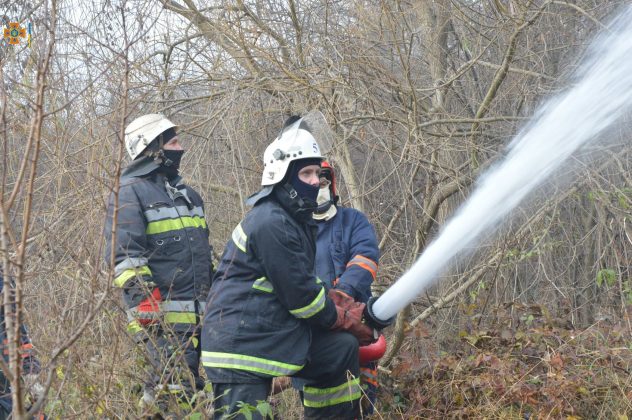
[142,131]
[293,143]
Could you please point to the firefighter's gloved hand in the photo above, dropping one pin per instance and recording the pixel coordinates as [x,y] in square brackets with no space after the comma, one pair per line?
[148,310]
[136,290]
[350,317]
[33,386]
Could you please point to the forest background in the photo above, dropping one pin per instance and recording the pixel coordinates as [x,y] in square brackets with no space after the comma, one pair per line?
[421,97]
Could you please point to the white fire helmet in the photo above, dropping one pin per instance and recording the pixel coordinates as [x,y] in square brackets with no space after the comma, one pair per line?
[295,142]
[142,131]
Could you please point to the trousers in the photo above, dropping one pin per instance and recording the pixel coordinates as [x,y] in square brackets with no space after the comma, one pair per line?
[331,383]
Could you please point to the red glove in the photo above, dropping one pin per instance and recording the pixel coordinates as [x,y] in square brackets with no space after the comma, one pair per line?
[148,310]
[350,317]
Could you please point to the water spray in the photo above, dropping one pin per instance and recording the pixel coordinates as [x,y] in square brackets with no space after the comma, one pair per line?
[601,95]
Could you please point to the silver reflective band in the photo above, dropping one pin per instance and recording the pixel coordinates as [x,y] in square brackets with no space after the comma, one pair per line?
[161,213]
[178,306]
[173,306]
[133,314]
[170,387]
[128,263]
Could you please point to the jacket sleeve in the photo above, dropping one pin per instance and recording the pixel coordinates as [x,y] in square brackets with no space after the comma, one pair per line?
[131,270]
[198,199]
[30,363]
[210,248]
[288,268]
[361,268]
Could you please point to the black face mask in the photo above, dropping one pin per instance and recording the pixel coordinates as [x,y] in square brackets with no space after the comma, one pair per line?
[171,162]
[172,158]
[304,190]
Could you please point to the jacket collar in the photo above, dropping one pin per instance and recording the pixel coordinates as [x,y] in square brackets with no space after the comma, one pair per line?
[253,199]
[145,166]
[140,167]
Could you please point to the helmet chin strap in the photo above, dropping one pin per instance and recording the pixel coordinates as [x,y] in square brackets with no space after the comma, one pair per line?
[161,159]
[289,188]
[303,205]
[155,149]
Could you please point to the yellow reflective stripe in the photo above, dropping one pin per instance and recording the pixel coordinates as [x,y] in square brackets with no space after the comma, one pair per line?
[313,308]
[180,318]
[318,280]
[317,398]
[120,280]
[240,238]
[134,327]
[263,284]
[162,226]
[249,363]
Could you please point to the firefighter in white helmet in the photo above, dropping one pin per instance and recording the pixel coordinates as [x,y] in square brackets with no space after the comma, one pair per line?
[268,315]
[162,259]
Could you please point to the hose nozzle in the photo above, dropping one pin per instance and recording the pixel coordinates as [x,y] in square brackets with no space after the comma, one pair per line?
[373,320]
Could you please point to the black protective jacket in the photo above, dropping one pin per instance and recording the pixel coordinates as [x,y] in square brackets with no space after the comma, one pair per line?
[162,240]
[265,295]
